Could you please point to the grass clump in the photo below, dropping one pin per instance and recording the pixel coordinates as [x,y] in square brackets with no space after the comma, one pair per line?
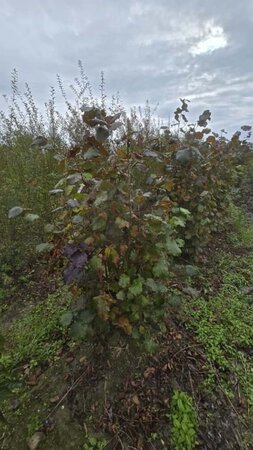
[39,334]
[223,324]
[242,233]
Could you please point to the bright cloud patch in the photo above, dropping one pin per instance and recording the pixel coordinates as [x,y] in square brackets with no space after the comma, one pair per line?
[213,39]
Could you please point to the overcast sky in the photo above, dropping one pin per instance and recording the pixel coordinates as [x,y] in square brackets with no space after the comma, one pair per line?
[148,49]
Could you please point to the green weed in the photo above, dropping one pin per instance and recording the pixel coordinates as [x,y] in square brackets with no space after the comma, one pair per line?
[33,424]
[223,324]
[183,422]
[39,334]
[94,443]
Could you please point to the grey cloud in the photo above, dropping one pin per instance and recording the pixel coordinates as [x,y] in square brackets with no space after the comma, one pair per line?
[142,46]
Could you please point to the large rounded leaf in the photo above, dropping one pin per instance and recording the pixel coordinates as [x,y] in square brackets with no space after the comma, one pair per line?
[102,133]
[74,178]
[186,155]
[91,153]
[66,319]
[44,247]
[96,121]
[31,217]
[39,141]
[15,212]
[116,125]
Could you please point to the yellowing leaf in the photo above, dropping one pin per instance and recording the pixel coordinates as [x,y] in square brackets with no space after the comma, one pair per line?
[121,223]
[139,199]
[169,185]
[124,323]
[165,203]
[103,303]
[110,251]
[211,139]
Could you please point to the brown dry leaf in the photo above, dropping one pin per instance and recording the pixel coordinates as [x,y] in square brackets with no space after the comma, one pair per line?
[135,400]
[82,359]
[198,135]
[165,203]
[134,231]
[75,290]
[123,249]
[35,439]
[38,372]
[140,443]
[32,381]
[55,399]
[149,372]
[116,260]
[176,335]
[69,359]
[167,366]
[243,403]
[103,304]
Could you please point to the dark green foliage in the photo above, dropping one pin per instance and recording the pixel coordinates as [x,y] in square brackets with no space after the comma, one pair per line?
[131,200]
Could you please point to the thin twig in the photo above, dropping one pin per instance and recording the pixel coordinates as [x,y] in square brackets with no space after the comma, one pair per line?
[74,385]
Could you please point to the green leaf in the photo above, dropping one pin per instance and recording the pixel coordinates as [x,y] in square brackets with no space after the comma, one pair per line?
[121,223]
[151,284]
[91,153]
[95,262]
[150,345]
[120,295]
[2,340]
[178,221]
[190,291]
[89,113]
[74,178]
[49,228]
[192,271]
[44,247]
[86,317]
[15,212]
[101,199]
[173,248]
[87,176]
[77,219]
[124,280]
[102,133]
[136,288]
[5,393]
[99,223]
[60,183]
[178,210]
[175,300]
[78,330]
[56,191]
[161,268]
[31,217]
[66,319]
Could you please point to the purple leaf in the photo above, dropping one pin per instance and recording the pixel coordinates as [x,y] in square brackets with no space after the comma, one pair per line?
[78,259]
